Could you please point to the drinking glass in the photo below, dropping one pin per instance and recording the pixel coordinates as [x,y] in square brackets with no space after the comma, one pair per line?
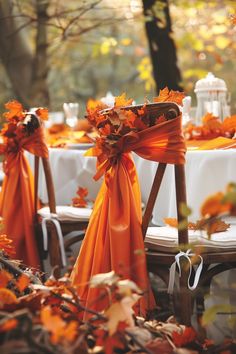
[71,113]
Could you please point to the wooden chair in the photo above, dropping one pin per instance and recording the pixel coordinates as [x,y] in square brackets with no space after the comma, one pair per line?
[159,262]
[67,226]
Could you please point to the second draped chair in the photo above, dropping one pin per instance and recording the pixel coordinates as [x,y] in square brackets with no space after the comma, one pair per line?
[54,223]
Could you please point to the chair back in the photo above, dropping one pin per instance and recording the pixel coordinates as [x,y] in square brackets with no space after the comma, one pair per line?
[49,184]
[170,111]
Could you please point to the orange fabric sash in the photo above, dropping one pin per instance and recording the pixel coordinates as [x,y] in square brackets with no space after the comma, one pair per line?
[114,240]
[17,198]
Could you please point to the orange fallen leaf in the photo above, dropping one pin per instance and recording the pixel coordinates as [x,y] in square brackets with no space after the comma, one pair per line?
[5,245]
[22,282]
[187,336]
[121,101]
[213,205]
[60,330]
[229,124]
[170,96]
[5,277]
[7,297]
[42,113]
[15,110]
[8,325]
[171,222]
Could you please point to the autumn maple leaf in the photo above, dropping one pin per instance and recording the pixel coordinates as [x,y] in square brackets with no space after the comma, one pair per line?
[213,205]
[22,282]
[8,324]
[5,277]
[15,111]
[7,297]
[170,96]
[82,192]
[42,113]
[122,101]
[5,245]
[60,330]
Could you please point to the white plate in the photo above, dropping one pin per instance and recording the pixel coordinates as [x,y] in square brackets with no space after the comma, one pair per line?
[80,146]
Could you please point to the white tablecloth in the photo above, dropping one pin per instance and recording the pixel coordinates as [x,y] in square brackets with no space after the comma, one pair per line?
[206,172]
[70,170]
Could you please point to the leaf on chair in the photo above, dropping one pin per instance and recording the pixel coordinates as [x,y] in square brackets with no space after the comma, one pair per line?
[79,202]
[122,101]
[15,111]
[173,222]
[170,96]
[42,113]
[216,226]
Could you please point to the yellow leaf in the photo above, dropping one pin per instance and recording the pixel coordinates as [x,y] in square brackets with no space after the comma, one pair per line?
[222,42]
[120,312]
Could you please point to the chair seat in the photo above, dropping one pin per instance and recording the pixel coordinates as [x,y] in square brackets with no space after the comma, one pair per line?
[165,239]
[67,213]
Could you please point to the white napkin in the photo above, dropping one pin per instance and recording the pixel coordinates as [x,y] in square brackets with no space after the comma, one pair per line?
[69,213]
[167,237]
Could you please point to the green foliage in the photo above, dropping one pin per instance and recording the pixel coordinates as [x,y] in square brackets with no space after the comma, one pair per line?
[100,46]
[210,314]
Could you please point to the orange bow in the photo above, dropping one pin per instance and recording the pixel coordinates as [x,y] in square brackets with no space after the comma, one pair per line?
[17,197]
[113,240]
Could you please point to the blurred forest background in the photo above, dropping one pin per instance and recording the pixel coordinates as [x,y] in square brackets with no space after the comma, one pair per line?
[55,51]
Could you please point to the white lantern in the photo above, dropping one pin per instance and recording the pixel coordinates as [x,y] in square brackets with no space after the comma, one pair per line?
[211,95]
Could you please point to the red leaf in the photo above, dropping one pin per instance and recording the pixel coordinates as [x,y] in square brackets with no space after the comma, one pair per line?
[187,336]
[22,282]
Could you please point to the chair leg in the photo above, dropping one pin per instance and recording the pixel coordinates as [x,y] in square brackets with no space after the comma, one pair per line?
[185,299]
[54,252]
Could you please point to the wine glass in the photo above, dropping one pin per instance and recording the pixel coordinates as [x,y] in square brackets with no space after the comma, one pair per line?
[71,112]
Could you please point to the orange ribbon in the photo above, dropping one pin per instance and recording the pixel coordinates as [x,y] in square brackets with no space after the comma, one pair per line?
[17,197]
[114,240]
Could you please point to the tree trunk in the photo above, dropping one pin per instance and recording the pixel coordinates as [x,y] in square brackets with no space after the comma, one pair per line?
[26,71]
[39,91]
[161,45]
[15,53]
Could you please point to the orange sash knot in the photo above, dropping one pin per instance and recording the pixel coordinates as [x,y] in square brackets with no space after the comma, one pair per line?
[17,197]
[113,239]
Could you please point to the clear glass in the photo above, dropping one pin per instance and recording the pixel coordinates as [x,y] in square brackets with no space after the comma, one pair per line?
[71,113]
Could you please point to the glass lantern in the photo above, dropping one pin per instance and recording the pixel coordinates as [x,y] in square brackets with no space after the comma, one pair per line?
[212,95]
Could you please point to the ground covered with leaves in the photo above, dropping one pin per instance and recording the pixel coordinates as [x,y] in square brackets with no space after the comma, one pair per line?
[48,317]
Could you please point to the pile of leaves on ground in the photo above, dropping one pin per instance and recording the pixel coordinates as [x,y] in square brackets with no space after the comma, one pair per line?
[37,317]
